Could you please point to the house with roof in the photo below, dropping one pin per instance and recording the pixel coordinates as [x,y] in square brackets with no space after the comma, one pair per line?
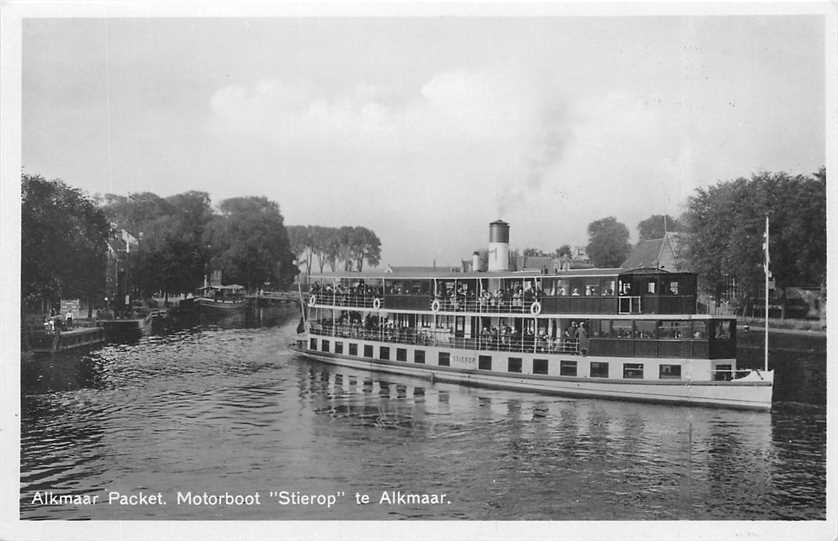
[666,253]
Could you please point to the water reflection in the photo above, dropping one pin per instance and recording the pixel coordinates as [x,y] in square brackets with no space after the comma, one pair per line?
[213,408]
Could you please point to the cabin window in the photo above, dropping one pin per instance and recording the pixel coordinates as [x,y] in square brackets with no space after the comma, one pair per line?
[568,368]
[673,288]
[338,347]
[401,354]
[633,370]
[673,330]
[484,362]
[539,366]
[353,349]
[599,370]
[651,287]
[514,365]
[444,359]
[368,351]
[419,356]
[384,353]
[645,329]
[670,371]
[722,372]
[324,345]
[699,329]
[722,330]
[597,328]
[621,328]
[312,344]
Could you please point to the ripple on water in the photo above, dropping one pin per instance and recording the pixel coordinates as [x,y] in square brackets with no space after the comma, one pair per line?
[232,409]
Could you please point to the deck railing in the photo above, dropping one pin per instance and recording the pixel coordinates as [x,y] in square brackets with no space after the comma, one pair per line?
[427,337]
[526,304]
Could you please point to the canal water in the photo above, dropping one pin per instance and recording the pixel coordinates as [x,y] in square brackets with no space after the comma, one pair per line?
[233,413]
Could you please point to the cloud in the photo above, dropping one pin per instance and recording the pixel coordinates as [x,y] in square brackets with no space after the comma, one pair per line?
[468,142]
[510,120]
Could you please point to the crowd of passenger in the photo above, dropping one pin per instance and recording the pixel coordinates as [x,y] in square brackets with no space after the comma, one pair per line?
[512,297]
[574,339]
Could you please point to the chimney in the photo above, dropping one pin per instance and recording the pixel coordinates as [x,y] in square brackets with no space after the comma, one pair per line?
[498,246]
[475,261]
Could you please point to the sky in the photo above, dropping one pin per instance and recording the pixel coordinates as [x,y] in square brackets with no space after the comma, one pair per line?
[426,129]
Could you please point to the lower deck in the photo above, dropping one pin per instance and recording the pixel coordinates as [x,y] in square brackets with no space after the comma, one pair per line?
[540,363]
[580,376]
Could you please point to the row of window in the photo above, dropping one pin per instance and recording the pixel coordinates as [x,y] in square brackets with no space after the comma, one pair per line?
[514,364]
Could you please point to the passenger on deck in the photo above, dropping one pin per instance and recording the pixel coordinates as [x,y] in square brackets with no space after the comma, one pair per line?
[582,337]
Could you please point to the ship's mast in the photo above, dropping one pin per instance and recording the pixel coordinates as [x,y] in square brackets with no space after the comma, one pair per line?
[767,274]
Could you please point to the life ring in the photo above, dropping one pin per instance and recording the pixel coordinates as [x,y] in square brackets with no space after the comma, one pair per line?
[312,300]
[376,303]
[535,308]
[435,306]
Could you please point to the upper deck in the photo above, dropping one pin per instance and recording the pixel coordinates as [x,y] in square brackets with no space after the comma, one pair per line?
[578,291]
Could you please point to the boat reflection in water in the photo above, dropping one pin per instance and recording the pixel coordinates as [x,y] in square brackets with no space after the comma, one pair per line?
[215,409]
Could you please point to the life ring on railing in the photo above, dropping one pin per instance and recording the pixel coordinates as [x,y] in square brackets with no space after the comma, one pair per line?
[376,304]
[312,300]
[535,308]
[435,306]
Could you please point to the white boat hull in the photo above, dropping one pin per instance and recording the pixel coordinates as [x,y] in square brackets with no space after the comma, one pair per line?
[752,393]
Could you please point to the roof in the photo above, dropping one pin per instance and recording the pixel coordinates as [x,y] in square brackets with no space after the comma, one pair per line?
[662,253]
[419,270]
[645,254]
[445,274]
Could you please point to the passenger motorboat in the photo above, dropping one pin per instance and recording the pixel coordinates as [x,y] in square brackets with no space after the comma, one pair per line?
[629,334]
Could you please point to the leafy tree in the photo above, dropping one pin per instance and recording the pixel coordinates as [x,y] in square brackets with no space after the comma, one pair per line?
[63,244]
[134,212]
[533,252]
[323,240]
[353,246]
[608,244]
[332,248]
[299,239]
[172,255]
[563,250]
[727,223]
[366,247]
[250,244]
[346,238]
[657,225]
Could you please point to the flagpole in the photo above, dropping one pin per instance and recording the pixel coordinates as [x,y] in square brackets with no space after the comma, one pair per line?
[766,292]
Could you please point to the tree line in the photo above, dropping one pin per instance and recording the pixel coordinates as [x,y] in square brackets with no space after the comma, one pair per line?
[722,230]
[346,247]
[181,238]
